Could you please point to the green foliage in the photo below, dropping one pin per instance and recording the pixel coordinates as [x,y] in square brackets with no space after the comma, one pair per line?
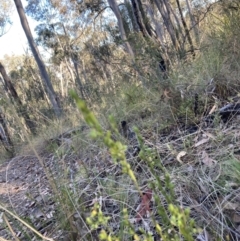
[178,218]
[231,170]
[116,148]
[97,218]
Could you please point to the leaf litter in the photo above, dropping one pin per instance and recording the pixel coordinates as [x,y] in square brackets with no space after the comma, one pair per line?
[26,190]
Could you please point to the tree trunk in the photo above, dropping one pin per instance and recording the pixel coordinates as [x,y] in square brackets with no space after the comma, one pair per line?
[45,95]
[9,86]
[116,11]
[193,22]
[66,61]
[5,135]
[38,59]
[158,27]
[139,19]
[131,15]
[169,12]
[61,80]
[179,32]
[84,71]
[79,82]
[168,23]
[145,19]
[13,93]
[187,33]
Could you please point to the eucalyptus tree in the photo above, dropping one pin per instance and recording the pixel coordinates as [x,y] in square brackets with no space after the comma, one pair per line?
[63,31]
[74,29]
[187,32]
[73,32]
[10,89]
[117,13]
[45,77]
[194,24]
[165,12]
[141,18]
[25,76]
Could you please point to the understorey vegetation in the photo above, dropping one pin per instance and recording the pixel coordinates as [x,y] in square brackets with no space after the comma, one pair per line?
[121,121]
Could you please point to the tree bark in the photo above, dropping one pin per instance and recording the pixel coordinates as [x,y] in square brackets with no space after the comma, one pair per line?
[13,93]
[9,86]
[162,8]
[66,61]
[79,82]
[137,7]
[145,19]
[179,32]
[5,135]
[193,22]
[158,27]
[116,11]
[187,33]
[44,75]
[129,9]
[169,12]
